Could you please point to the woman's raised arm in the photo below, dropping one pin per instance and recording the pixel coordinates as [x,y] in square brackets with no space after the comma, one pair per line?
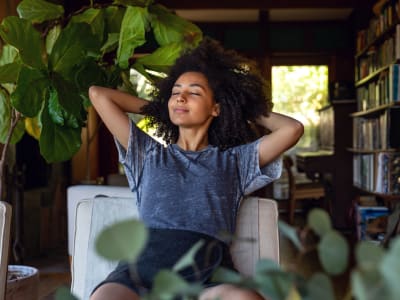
[112,106]
[285,132]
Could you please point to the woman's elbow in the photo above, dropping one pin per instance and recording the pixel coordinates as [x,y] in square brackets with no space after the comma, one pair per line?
[297,130]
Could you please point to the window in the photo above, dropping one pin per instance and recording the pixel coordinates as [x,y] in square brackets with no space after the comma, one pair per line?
[299,91]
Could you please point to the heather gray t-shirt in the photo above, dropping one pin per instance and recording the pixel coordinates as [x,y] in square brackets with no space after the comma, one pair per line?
[192,190]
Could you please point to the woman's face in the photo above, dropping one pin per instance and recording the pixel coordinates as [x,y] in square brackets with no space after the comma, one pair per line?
[192,101]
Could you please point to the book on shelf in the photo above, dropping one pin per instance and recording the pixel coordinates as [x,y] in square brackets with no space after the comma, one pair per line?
[380,132]
[377,172]
[371,223]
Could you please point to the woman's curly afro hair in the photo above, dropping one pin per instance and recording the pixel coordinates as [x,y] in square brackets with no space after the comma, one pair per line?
[238,87]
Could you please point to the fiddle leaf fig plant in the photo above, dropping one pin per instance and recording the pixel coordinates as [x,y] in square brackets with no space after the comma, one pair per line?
[48,60]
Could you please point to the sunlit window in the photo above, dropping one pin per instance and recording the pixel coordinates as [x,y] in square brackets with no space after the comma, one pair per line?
[299,91]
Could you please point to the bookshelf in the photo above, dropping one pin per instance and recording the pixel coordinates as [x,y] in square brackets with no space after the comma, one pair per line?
[376,123]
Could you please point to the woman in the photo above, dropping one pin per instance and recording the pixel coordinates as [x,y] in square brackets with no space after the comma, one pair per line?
[205,110]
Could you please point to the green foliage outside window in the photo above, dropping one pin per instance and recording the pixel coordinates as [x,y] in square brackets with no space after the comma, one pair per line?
[299,91]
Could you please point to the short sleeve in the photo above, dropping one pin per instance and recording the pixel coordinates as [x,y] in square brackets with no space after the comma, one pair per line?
[133,158]
[252,177]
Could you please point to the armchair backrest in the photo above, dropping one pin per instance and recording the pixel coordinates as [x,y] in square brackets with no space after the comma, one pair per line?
[5,226]
[257,222]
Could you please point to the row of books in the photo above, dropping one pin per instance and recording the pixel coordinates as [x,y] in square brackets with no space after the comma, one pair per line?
[378,133]
[377,172]
[385,90]
[387,16]
[377,57]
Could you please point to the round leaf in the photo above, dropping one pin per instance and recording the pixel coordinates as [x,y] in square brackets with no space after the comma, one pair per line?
[333,252]
[52,37]
[369,285]
[291,233]
[319,221]
[39,11]
[320,287]
[64,293]
[390,267]
[122,241]
[167,284]
[368,255]
[188,258]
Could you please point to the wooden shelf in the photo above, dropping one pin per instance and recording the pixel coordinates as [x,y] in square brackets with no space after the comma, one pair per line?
[367,151]
[373,110]
[373,75]
[385,196]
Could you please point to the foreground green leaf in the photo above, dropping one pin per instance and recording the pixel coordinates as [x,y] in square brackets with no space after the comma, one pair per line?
[276,285]
[64,293]
[319,221]
[95,19]
[21,34]
[333,252]
[368,255]
[39,11]
[52,37]
[187,259]
[320,287]
[168,284]
[8,55]
[291,233]
[132,35]
[390,267]
[369,285]
[124,240]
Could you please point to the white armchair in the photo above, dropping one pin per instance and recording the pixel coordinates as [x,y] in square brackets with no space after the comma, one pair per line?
[5,227]
[257,220]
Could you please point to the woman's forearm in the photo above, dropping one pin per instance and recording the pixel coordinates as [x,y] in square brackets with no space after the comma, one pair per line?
[125,101]
[112,106]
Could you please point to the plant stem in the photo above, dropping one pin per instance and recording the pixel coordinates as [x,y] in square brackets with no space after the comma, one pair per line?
[15,117]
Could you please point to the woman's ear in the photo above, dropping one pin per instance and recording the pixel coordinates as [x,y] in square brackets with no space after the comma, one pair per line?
[216,110]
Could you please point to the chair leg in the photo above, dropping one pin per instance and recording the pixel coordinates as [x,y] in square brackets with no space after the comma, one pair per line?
[292,208]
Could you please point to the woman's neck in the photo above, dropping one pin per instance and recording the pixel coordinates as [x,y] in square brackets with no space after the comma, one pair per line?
[192,141]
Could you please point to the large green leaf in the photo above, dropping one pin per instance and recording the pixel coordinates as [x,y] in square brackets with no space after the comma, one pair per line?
[39,11]
[142,3]
[89,73]
[333,252]
[113,18]
[169,27]
[162,58]
[9,72]
[95,19]
[8,55]
[58,114]
[52,37]
[132,35]
[30,92]
[57,143]
[319,221]
[5,121]
[21,34]
[71,48]
[68,96]
[111,43]
[122,241]
[320,287]
[276,285]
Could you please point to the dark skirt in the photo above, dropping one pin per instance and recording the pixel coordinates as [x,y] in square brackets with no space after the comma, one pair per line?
[164,248]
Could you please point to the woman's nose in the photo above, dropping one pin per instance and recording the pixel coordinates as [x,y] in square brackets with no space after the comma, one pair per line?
[180,98]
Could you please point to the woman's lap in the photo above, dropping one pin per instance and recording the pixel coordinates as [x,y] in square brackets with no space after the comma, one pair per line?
[163,250]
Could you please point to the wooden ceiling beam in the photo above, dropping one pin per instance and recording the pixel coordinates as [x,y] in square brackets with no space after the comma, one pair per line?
[258,4]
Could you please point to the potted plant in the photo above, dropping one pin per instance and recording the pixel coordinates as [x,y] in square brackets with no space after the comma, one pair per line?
[48,60]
